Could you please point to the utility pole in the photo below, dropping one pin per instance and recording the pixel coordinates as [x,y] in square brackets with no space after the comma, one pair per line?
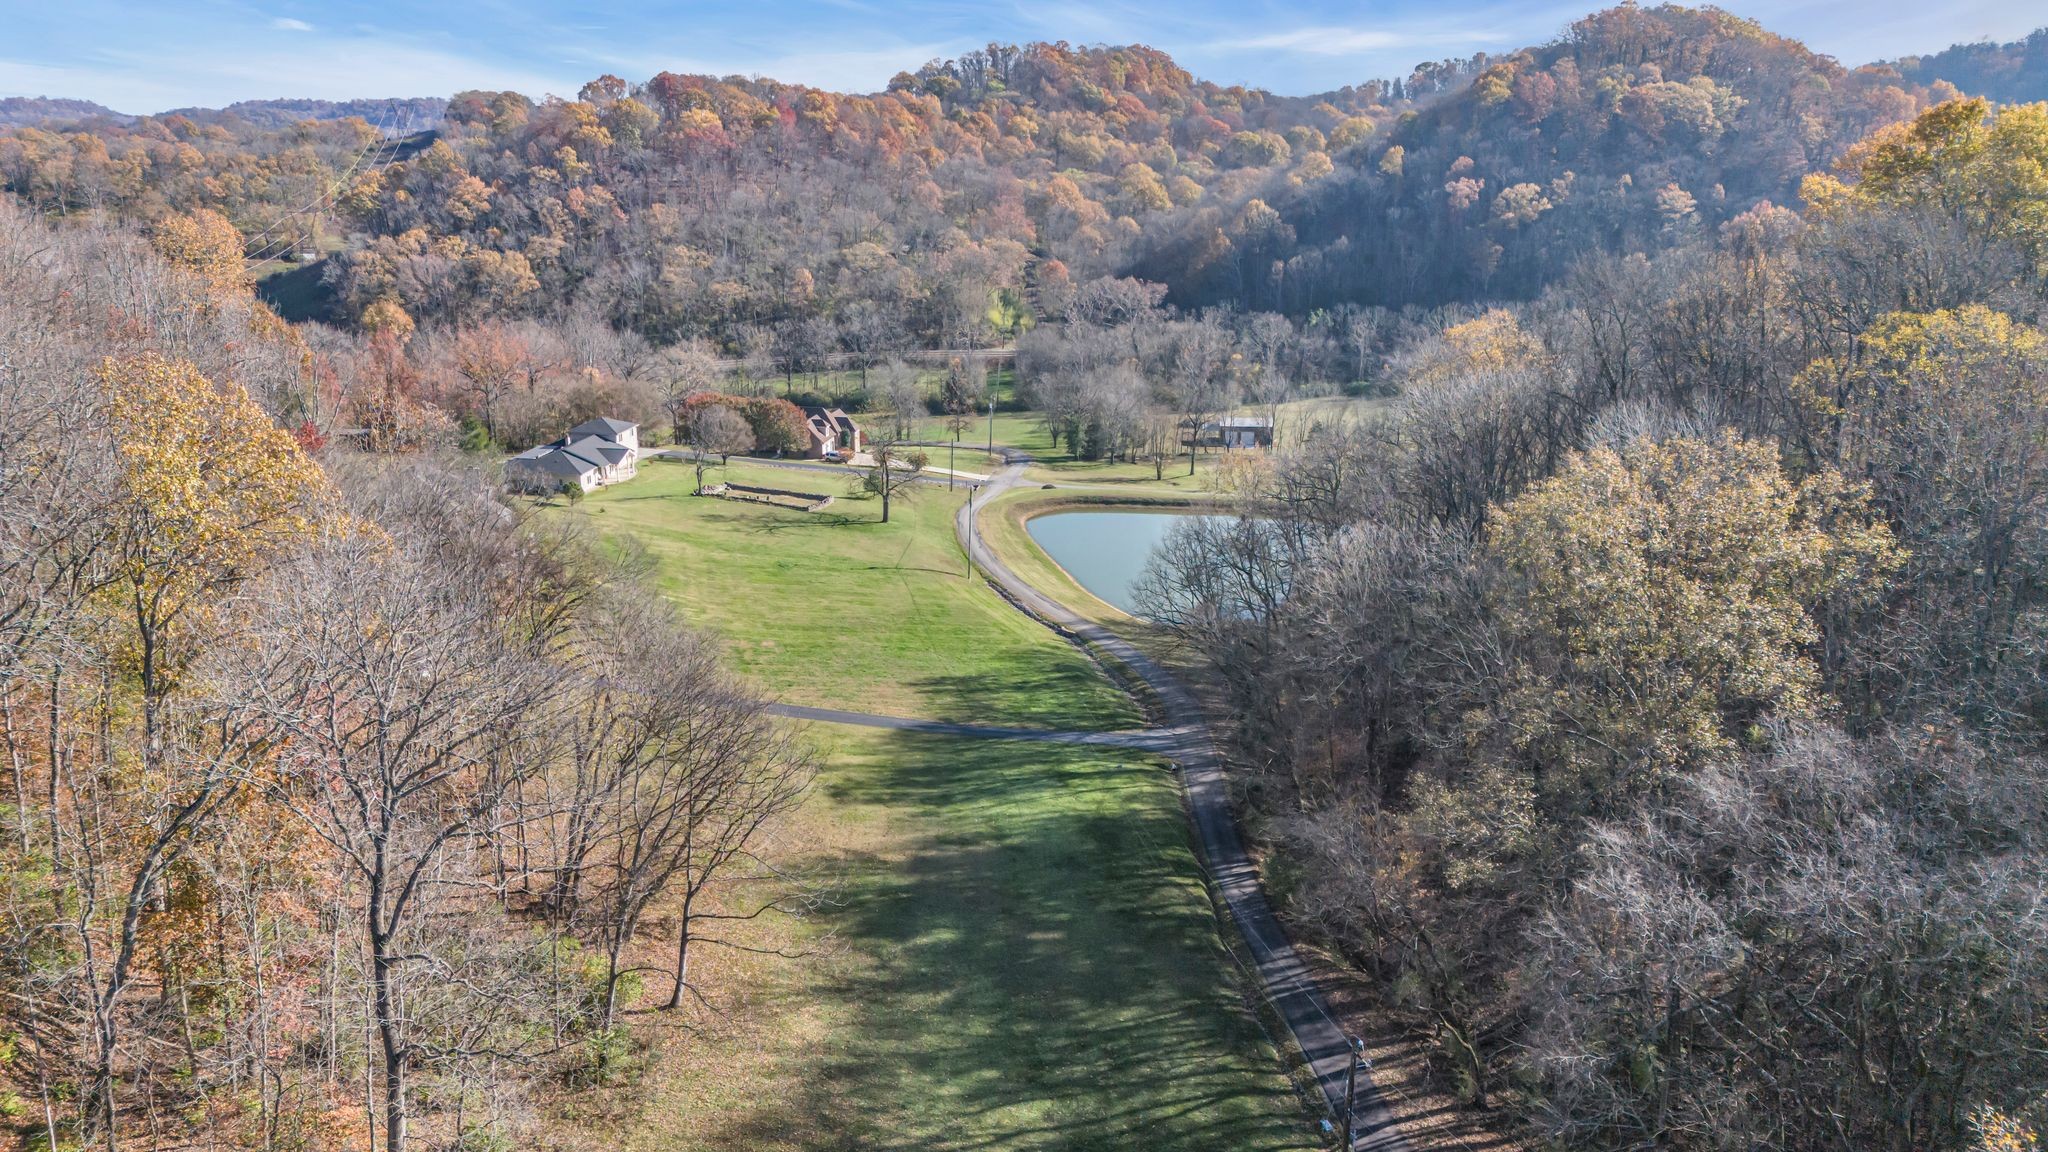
[1357,1052]
[991,422]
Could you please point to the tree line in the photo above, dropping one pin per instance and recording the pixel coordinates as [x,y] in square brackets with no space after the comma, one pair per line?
[344,800]
[786,222]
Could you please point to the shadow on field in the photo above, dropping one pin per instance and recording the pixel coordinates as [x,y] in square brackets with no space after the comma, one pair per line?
[1041,972]
[1035,690]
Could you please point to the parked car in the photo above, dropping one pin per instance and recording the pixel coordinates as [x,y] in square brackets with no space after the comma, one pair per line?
[833,457]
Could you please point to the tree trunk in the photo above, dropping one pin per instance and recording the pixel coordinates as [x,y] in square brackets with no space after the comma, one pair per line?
[387,1037]
[675,995]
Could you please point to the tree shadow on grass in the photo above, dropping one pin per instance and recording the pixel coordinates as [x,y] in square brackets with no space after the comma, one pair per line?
[1045,688]
[1043,971]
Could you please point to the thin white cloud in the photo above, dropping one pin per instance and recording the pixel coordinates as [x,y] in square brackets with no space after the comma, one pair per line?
[287,24]
[331,68]
[852,70]
[1337,41]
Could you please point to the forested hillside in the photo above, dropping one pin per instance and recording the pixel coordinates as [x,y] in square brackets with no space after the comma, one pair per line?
[317,763]
[974,192]
[392,116]
[16,110]
[2014,73]
[1653,701]
[1633,130]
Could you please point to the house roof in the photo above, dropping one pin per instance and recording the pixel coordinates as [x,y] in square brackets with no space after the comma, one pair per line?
[595,451]
[1244,422]
[589,447]
[819,424]
[612,451]
[564,465]
[833,417]
[603,426]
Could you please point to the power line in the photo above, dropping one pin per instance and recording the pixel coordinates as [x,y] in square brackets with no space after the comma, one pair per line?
[394,143]
[376,143]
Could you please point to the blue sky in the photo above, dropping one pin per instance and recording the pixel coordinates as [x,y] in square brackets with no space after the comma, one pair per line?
[146,57]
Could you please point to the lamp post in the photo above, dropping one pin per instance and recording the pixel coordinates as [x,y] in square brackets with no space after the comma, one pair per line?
[972,490]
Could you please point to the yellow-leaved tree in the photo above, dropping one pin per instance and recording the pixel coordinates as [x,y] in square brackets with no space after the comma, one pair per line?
[1492,343]
[210,492]
[1987,168]
[1945,416]
[1658,601]
[204,242]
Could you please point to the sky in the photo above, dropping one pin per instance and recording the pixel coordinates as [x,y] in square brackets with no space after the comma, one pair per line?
[137,56]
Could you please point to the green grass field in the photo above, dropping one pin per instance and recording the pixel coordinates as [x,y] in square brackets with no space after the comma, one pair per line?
[1052,464]
[836,609]
[1018,952]
[1022,957]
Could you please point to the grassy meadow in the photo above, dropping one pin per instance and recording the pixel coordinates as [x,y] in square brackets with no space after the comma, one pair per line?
[1020,955]
[1017,950]
[837,609]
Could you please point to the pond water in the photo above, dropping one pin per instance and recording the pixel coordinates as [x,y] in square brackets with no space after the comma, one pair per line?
[1104,551]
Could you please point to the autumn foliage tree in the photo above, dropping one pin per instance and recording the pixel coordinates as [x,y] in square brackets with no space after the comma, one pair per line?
[1655,603]
[211,491]
[273,730]
[203,242]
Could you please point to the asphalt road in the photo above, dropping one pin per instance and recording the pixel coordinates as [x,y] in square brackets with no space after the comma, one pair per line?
[1161,740]
[1184,739]
[1287,983]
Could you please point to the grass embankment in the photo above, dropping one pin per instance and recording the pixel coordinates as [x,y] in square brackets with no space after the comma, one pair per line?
[836,609]
[1022,957]
[1003,528]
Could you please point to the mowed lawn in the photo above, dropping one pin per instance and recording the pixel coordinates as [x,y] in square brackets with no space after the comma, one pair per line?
[836,609]
[1026,431]
[1020,955]
[1014,949]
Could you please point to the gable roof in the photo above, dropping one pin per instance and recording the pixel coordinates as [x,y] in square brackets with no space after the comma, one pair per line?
[591,446]
[826,422]
[592,450]
[564,465]
[603,426]
[610,451]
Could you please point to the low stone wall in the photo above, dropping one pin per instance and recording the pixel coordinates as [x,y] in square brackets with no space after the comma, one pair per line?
[779,497]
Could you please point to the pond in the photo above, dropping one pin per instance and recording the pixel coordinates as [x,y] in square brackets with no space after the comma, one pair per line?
[1104,551]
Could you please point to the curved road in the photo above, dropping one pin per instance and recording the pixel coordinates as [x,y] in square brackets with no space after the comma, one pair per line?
[1185,739]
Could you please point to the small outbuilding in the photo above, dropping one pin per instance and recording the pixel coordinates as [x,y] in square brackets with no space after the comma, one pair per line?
[1233,432]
